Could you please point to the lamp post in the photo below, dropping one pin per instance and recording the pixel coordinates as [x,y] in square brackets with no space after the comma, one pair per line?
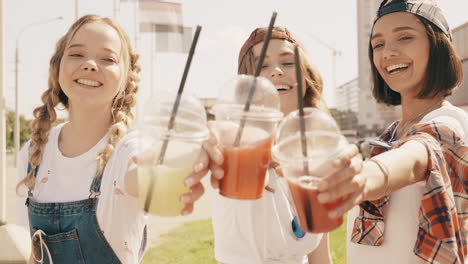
[17,123]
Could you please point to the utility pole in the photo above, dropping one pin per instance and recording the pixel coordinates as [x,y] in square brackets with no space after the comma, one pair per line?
[3,176]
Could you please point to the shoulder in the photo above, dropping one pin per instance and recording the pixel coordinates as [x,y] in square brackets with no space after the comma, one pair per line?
[126,148]
[128,143]
[451,117]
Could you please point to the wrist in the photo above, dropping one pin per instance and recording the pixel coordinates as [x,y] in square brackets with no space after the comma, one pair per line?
[379,180]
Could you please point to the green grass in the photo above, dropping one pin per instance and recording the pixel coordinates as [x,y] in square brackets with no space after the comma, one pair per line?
[338,244]
[192,243]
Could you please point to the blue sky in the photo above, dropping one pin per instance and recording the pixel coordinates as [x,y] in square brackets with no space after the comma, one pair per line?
[226,24]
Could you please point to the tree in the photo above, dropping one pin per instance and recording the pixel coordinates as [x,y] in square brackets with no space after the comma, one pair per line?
[25,129]
[346,119]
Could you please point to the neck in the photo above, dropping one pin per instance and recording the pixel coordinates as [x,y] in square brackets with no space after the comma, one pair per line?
[84,129]
[414,109]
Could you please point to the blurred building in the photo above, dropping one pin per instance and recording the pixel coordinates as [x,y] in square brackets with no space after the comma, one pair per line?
[347,96]
[460,41]
[373,117]
[347,107]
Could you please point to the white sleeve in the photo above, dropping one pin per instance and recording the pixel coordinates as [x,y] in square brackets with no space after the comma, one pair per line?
[128,150]
[453,117]
[257,231]
[21,217]
[452,123]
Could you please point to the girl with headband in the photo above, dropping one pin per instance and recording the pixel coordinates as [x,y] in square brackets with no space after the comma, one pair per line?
[412,193]
[80,176]
[239,225]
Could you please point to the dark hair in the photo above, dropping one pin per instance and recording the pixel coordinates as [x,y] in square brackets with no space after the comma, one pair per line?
[444,69]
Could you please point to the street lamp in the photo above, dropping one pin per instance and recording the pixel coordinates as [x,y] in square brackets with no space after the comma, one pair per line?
[17,123]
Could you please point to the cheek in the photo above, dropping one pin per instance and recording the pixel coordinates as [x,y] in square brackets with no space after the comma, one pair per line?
[61,75]
[264,73]
[423,60]
[116,74]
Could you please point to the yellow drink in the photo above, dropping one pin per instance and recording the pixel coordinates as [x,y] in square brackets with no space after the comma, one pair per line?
[168,187]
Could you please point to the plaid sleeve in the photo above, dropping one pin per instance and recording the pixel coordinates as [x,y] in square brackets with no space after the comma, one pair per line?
[443,215]
[443,224]
[368,227]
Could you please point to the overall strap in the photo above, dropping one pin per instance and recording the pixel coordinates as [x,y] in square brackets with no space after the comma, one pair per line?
[94,190]
[36,169]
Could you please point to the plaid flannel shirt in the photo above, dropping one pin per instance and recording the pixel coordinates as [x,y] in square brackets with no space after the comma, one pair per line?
[443,214]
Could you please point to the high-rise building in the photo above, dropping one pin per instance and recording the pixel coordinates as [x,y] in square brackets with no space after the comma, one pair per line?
[371,115]
[460,41]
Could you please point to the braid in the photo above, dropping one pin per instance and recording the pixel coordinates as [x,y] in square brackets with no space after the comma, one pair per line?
[121,112]
[44,117]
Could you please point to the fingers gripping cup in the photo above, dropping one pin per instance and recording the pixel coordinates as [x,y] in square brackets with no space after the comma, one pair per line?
[323,142]
[184,143]
[246,160]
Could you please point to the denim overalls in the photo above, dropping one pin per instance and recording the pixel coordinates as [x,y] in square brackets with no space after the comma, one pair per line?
[69,231]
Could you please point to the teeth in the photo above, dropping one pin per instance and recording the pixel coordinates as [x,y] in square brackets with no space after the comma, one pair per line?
[396,66]
[282,87]
[88,82]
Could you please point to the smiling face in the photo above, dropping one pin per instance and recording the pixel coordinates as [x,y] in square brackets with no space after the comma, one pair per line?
[401,52]
[279,68]
[91,66]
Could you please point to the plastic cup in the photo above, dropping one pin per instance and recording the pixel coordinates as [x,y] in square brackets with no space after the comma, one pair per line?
[245,165]
[184,143]
[324,143]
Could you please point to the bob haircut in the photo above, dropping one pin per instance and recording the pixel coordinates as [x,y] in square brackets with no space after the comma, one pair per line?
[444,69]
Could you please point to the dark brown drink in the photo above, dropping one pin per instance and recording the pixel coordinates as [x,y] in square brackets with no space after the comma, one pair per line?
[313,215]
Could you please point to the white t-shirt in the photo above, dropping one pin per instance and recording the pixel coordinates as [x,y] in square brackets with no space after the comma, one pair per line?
[259,231]
[401,215]
[62,179]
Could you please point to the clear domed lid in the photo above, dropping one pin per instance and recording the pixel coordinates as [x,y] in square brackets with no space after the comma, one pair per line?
[265,103]
[322,136]
[189,122]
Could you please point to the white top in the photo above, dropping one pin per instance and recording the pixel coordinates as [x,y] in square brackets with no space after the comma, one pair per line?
[401,215]
[259,231]
[62,179]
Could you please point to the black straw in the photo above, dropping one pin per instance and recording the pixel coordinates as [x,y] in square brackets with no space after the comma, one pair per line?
[175,108]
[254,83]
[300,102]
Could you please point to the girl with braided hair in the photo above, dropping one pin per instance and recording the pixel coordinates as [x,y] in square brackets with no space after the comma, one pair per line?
[82,203]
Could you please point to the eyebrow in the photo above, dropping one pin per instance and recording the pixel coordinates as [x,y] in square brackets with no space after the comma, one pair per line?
[394,30]
[282,54]
[81,45]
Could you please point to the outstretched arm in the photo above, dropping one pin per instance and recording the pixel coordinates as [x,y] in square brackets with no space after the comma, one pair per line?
[383,174]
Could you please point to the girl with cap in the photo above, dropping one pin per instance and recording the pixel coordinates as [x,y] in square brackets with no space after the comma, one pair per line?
[266,230]
[82,204]
[412,193]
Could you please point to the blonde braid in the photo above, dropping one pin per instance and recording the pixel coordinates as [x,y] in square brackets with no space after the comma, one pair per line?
[121,112]
[45,115]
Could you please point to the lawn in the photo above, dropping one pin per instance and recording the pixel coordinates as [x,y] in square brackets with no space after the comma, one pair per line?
[192,243]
